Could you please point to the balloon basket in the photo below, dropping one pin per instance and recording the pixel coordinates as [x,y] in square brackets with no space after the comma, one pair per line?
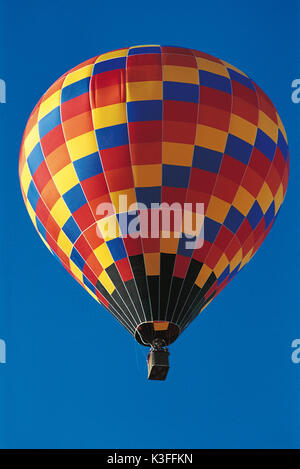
[158,364]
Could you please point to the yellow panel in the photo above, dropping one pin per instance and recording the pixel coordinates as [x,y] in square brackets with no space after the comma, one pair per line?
[211,138]
[221,265]
[242,129]
[130,201]
[217,209]
[160,325]
[31,140]
[60,212]
[103,255]
[147,175]
[180,74]
[109,227]
[228,65]
[152,263]
[243,201]
[203,275]
[64,243]
[169,245]
[177,153]
[246,259]
[144,90]
[212,67]
[265,197]
[76,271]
[31,213]
[83,145]
[79,74]
[65,179]
[280,125]
[49,104]
[236,260]
[92,294]
[112,55]
[107,116]
[267,126]
[106,282]
[25,178]
[278,199]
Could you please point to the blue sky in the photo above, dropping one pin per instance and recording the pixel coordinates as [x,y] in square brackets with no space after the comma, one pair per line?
[74,378]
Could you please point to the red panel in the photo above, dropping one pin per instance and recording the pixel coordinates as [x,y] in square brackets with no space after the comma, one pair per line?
[84,217]
[52,140]
[181,266]
[75,106]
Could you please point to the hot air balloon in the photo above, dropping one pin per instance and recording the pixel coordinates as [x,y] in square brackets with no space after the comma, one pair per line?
[128,132]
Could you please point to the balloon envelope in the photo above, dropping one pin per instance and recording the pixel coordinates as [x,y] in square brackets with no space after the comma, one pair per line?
[124,146]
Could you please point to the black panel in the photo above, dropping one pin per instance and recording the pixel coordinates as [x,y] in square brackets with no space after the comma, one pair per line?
[134,295]
[153,285]
[116,279]
[139,273]
[189,281]
[209,283]
[112,302]
[191,299]
[175,289]
[167,262]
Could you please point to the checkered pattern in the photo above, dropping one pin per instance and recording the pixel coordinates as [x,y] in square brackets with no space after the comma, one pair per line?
[158,124]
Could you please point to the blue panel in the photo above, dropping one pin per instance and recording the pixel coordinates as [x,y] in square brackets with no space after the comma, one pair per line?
[108,65]
[128,222]
[234,272]
[49,122]
[144,111]
[33,195]
[223,275]
[148,195]
[75,198]
[88,284]
[113,136]
[238,149]
[255,215]
[186,245]
[41,228]
[71,229]
[211,229]
[181,91]
[241,78]
[75,89]
[234,219]
[117,249]
[265,144]
[145,50]
[175,176]
[212,80]
[282,145]
[269,215]
[77,259]
[88,166]
[35,158]
[207,159]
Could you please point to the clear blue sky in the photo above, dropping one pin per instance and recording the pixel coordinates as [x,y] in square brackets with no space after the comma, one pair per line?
[74,378]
